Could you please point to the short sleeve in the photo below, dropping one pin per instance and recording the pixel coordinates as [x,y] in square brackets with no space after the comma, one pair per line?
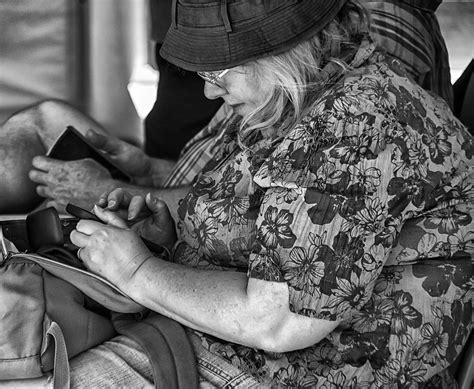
[337,191]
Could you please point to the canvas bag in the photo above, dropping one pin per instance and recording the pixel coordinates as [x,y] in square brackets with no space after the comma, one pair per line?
[46,320]
[50,323]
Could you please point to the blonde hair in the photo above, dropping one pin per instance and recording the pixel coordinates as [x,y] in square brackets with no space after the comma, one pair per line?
[297,74]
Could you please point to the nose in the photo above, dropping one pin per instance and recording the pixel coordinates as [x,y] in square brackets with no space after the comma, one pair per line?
[212,91]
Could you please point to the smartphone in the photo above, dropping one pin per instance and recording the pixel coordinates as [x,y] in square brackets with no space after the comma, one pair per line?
[72,145]
[81,213]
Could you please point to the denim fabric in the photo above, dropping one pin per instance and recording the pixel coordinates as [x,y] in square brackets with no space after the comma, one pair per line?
[121,362]
[216,371]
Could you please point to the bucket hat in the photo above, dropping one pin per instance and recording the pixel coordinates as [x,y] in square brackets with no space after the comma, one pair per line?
[208,35]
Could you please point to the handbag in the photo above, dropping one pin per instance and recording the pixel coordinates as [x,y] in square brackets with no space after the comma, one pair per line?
[52,309]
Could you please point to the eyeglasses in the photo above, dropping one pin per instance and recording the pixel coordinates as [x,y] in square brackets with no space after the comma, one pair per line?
[214,78]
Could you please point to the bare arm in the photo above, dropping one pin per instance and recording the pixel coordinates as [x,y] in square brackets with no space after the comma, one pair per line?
[225,304]
[228,305]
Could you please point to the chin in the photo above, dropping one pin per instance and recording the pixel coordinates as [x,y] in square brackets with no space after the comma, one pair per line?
[241,110]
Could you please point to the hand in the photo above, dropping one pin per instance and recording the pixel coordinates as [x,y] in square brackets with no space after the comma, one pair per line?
[61,182]
[150,216]
[131,159]
[111,250]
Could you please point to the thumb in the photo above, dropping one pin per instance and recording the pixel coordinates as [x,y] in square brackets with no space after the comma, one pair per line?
[109,217]
[103,142]
[160,210]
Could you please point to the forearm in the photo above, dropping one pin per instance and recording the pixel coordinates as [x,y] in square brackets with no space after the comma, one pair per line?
[228,305]
[156,172]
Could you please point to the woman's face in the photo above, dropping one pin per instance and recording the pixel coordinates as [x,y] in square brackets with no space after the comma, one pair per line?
[239,87]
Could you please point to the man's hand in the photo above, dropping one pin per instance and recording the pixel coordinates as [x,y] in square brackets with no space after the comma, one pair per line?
[80,182]
[131,159]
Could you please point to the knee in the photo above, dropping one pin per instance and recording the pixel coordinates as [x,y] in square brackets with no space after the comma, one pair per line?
[52,108]
[17,148]
[17,192]
[37,114]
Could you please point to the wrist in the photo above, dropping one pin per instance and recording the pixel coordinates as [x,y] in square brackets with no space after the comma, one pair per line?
[130,280]
[143,279]
[160,170]
[144,176]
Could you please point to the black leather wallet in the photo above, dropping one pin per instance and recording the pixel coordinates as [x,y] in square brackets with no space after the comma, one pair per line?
[72,145]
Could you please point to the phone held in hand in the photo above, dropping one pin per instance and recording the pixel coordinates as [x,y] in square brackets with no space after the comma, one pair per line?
[72,146]
[81,213]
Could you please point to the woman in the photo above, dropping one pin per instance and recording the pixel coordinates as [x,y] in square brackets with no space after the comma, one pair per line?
[328,242]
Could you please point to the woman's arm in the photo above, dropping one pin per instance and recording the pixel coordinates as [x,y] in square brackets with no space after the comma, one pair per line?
[227,305]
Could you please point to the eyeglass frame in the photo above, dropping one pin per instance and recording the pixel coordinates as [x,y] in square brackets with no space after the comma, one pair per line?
[213,77]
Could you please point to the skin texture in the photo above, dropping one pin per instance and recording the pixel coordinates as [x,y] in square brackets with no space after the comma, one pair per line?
[226,304]
[29,179]
[240,90]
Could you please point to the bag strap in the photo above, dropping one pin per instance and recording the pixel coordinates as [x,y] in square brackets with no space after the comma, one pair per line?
[61,374]
[167,346]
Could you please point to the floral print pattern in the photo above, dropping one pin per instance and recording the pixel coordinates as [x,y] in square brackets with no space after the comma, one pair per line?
[365,211]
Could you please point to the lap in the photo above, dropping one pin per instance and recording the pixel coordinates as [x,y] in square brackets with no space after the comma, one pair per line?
[118,362]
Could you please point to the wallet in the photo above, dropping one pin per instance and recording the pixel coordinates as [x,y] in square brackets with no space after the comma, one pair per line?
[72,145]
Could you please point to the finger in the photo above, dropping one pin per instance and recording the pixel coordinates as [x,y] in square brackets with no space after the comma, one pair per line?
[118,197]
[82,255]
[44,163]
[40,177]
[51,203]
[160,210]
[44,191]
[102,202]
[78,238]
[88,227]
[104,142]
[59,205]
[136,207]
[109,217]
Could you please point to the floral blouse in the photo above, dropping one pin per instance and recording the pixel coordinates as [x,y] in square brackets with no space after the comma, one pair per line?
[364,210]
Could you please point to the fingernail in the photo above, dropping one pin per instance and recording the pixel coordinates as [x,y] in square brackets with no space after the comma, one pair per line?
[153,199]
[112,203]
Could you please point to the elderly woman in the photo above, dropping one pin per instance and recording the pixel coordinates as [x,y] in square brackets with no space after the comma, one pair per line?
[328,241]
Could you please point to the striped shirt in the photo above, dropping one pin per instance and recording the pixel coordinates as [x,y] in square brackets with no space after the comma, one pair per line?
[409,31]
[199,150]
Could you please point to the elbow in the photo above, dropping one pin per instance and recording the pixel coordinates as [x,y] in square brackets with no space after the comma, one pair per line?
[274,344]
[279,342]
[293,332]
[272,327]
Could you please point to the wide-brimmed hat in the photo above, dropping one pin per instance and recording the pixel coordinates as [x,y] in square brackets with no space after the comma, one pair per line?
[214,35]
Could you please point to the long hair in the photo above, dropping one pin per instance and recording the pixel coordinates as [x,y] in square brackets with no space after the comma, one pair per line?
[297,74]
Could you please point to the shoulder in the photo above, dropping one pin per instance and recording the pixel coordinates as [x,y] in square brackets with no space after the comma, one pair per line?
[373,109]
[347,108]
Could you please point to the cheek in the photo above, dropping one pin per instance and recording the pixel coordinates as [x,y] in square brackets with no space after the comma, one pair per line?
[260,93]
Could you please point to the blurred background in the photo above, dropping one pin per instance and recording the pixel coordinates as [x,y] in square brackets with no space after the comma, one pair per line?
[98,55]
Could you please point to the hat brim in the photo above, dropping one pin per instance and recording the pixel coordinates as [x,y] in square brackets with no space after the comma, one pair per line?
[208,48]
